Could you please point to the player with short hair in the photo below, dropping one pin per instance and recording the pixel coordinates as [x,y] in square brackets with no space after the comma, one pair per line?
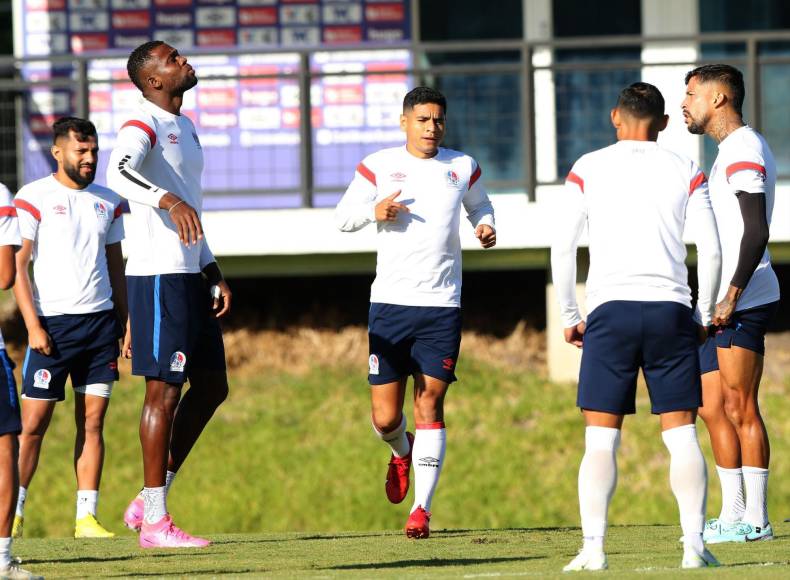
[10,420]
[637,199]
[176,289]
[72,230]
[742,183]
[413,194]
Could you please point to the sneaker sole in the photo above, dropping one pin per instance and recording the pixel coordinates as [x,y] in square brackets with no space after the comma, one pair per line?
[133,528]
[762,539]
[417,534]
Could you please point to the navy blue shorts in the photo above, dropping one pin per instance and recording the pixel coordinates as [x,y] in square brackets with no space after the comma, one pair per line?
[10,420]
[84,346]
[405,340]
[621,337]
[746,329]
[174,330]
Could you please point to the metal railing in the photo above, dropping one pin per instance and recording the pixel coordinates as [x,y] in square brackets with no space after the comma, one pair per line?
[484,80]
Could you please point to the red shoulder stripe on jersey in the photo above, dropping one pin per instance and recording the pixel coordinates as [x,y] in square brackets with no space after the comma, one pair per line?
[117,213]
[366,173]
[8,211]
[475,176]
[573,178]
[140,125]
[698,180]
[28,207]
[437,425]
[741,165]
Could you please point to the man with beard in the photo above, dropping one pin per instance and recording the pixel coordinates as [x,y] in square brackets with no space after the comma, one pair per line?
[176,290]
[71,229]
[742,183]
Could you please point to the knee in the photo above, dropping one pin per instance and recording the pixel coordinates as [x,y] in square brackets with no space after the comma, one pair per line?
[386,420]
[735,412]
[93,426]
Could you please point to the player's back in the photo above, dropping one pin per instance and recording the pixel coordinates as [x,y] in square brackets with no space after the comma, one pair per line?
[636,194]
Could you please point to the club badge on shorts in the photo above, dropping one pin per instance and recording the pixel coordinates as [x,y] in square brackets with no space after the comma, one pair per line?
[373,364]
[177,362]
[41,379]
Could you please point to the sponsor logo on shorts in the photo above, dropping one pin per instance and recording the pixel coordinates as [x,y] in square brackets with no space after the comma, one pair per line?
[113,366]
[177,362]
[373,364]
[101,210]
[428,462]
[452,178]
[41,379]
[448,364]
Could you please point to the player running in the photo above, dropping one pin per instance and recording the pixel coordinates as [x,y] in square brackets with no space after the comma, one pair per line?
[72,231]
[742,183]
[10,420]
[413,194]
[637,199]
[176,290]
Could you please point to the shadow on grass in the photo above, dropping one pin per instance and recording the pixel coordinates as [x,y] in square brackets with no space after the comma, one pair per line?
[434,562]
[92,559]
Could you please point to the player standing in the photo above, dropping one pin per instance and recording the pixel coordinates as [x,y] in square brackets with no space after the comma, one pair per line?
[175,336]
[10,421]
[413,194]
[636,199]
[742,183]
[71,229]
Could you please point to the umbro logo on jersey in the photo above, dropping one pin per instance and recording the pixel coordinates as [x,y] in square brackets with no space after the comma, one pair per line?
[428,462]
[173,138]
[452,178]
[101,210]
[59,209]
[398,176]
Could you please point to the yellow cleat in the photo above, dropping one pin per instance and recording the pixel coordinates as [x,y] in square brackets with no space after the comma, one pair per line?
[89,527]
[16,529]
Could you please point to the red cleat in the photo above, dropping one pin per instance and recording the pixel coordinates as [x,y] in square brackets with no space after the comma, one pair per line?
[397,485]
[417,526]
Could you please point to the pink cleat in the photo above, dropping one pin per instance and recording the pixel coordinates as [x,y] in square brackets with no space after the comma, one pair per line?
[165,534]
[133,516]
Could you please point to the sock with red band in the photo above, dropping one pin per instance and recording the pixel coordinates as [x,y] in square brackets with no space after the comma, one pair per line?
[430,442]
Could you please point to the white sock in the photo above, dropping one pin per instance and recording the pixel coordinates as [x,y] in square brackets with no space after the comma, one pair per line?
[755,480]
[430,443]
[396,438]
[597,482]
[688,477]
[171,475]
[732,499]
[87,500]
[20,502]
[5,552]
[155,499]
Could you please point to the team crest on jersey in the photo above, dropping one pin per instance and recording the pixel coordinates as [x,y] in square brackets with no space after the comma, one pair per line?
[452,178]
[173,138]
[59,209]
[197,141]
[398,176]
[41,379]
[373,364]
[177,362]
[101,210]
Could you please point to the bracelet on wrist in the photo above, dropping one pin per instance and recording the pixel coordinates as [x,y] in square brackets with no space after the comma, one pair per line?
[175,205]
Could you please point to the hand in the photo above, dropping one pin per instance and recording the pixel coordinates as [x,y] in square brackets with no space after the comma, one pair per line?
[486,234]
[222,300]
[40,341]
[184,217]
[702,334]
[575,334]
[126,345]
[387,209]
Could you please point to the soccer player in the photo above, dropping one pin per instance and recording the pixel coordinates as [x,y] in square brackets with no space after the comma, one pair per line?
[742,183]
[414,194]
[176,290]
[72,231]
[10,420]
[637,199]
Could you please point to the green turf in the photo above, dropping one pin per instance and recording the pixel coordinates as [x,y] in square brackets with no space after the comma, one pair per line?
[634,551]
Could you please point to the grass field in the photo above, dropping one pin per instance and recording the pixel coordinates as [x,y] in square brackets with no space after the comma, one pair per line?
[291,463]
[634,551]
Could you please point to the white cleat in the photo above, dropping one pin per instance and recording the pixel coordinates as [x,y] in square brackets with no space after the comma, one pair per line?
[694,559]
[587,560]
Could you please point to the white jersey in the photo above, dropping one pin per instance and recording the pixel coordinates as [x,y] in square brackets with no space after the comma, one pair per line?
[419,255]
[9,227]
[158,152]
[70,229]
[636,199]
[744,163]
